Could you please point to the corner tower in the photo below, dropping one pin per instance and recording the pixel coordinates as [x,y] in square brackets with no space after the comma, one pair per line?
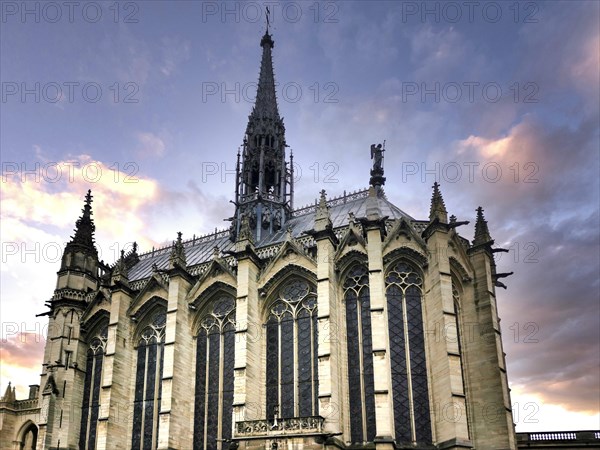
[264,188]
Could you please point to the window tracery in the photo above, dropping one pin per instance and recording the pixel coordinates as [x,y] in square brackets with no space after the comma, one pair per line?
[91,389]
[148,386]
[412,420]
[292,363]
[215,357]
[360,355]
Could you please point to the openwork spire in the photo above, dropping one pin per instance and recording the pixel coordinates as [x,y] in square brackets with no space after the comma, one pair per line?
[263,177]
[438,208]
[85,228]
[482,233]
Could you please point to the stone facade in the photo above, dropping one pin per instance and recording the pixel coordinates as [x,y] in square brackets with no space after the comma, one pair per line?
[346,323]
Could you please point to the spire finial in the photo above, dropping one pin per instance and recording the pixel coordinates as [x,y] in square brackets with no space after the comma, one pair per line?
[482,233]
[268,15]
[438,208]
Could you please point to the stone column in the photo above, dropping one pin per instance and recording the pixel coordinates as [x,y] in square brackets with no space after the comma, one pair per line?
[116,404]
[445,377]
[178,382]
[248,403]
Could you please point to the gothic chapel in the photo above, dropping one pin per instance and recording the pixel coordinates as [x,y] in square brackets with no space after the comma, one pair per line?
[344,324]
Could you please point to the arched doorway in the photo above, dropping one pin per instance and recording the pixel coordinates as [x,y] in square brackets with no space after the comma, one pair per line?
[27,436]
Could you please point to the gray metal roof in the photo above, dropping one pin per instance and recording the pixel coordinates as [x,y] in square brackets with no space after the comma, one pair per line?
[200,250]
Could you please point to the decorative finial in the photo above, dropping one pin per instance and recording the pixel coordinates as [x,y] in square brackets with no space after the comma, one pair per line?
[438,208]
[88,198]
[135,246]
[216,252]
[120,273]
[322,218]
[177,257]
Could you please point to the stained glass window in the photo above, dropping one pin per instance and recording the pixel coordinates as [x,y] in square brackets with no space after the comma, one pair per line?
[91,390]
[412,421]
[292,381]
[360,355]
[215,356]
[148,376]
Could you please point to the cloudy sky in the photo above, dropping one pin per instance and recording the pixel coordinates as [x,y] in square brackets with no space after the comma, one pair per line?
[146,103]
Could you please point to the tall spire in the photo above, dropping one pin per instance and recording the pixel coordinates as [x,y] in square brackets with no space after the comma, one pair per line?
[266,100]
[85,228]
[438,208]
[482,233]
[263,193]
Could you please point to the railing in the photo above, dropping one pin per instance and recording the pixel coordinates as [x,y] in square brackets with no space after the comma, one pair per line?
[289,426]
[559,436]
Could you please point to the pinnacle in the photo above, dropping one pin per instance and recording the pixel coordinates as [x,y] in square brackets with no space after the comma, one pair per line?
[482,233]
[85,228]
[438,208]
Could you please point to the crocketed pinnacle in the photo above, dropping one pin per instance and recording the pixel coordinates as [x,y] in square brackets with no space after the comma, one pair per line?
[438,208]
[85,228]
[482,233]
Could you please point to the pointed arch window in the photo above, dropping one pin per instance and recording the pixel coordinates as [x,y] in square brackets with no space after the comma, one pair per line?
[292,381]
[215,357]
[361,386]
[148,376]
[91,390]
[412,421]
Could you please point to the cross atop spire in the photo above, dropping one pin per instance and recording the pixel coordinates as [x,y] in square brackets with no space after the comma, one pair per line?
[268,16]
[85,228]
